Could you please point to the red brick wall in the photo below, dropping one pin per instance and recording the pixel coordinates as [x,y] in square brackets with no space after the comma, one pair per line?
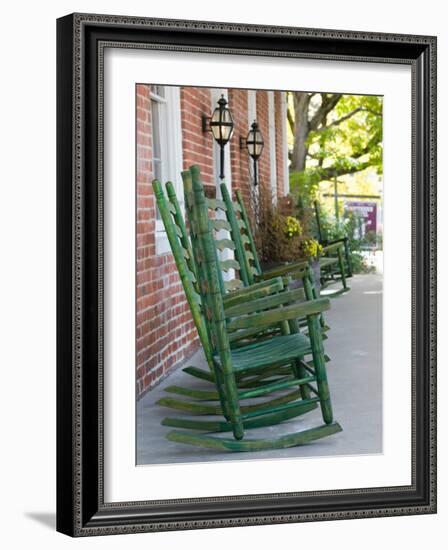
[165,333]
[264,168]
[279,145]
[197,145]
[240,159]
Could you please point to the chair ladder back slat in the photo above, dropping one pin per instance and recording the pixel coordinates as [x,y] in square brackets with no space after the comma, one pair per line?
[235,232]
[245,217]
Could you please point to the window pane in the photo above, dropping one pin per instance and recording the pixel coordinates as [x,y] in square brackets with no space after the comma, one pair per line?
[158,90]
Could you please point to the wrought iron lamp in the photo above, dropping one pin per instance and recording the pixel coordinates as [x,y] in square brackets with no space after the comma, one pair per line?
[221,126]
[254,144]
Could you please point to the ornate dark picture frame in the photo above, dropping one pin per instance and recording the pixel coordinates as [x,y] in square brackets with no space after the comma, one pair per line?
[81,39]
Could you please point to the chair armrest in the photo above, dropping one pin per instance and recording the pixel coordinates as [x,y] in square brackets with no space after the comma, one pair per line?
[342,240]
[294,267]
[333,246]
[254,292]
[273,316]
[268,302]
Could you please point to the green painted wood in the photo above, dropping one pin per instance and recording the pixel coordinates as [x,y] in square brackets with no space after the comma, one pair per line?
[338,245]
[297,270]
[197,253]
[200,408]
[260,381]
[223,426]
[342,268]
[201,395]
[222,244]
[177,238]
[254,292]
[319,367]
[279,408]
[199,373]
[262,373]
[179,219]
[245,218]
[325,262]
[269,388]
[229,264]
[313,389]
[245,273]
[219,224]
[244,337]
[272,317]
[283,442]
[333,246]
[232,285]
[209,273]
[272,358]
[260,304]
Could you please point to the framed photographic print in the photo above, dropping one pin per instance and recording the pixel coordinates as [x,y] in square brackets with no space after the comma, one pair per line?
[246,274]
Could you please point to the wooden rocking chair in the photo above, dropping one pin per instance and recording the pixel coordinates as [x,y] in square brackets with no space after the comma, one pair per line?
[180,245]
[279,350]
[336,266]
[183,255]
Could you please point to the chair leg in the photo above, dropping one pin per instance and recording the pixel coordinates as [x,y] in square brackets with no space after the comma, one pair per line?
[342,268]
[301,372]
[320,369]
[347,259]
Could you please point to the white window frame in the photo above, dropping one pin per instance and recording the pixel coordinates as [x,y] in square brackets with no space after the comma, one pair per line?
[272,145]
[170,153]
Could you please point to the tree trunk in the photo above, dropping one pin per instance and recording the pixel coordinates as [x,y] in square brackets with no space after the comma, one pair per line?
[301,130]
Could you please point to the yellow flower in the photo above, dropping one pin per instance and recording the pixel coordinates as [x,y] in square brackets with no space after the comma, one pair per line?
[293,227]
[311,248]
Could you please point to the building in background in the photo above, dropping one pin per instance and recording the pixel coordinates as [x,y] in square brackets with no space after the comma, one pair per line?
[170,138]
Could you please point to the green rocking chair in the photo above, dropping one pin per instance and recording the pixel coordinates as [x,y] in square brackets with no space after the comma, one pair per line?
[277,351]
[180,245]
[336,266]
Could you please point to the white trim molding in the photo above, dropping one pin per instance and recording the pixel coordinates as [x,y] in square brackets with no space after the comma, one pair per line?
[171,154]
[272,145]
[284,109]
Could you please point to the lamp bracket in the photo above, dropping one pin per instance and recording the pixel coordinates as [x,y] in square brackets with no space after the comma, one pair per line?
[206,123]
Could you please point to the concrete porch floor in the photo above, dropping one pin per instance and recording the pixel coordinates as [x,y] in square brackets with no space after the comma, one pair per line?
[355,376]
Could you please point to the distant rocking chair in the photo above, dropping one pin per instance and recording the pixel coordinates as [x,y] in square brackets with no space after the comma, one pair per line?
[336,266]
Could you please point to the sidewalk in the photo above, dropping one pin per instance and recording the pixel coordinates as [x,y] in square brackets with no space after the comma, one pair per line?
[355,376]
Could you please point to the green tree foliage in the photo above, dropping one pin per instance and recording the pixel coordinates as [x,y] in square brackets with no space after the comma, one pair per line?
[333,135]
